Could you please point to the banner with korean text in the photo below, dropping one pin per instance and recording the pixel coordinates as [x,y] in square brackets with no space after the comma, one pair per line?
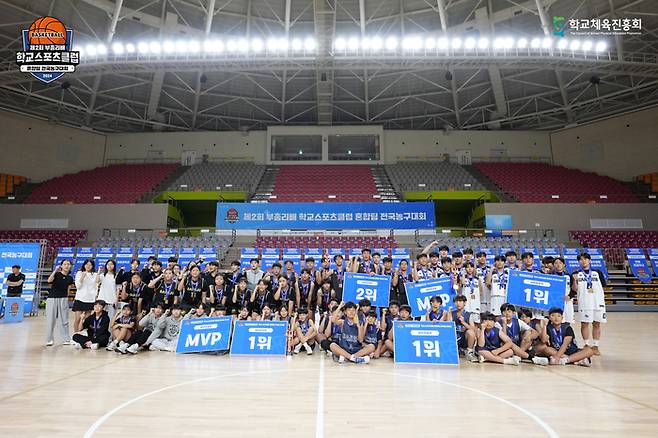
[535,290]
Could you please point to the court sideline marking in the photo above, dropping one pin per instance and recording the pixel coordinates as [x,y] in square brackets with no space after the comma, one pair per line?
[319,428]
[319,416]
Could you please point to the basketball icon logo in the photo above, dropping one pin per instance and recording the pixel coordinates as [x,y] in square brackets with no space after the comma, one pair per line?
[47,53]
[47,30]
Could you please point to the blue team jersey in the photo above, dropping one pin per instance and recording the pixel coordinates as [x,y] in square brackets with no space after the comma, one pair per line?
[372,335]
[491,339]
[349,337]
[459,327]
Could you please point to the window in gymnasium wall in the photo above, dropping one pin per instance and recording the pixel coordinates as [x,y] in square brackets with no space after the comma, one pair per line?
[296,147]
[354,147]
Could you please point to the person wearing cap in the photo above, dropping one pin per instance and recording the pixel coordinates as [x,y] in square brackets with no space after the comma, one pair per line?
[98,329]
[305,333]
[558,342]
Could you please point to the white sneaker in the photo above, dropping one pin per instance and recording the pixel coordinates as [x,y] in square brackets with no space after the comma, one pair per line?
[308,349]
[153,348]
[69,342]
[76,345]
[512,361]
[543,361]
[471,357]
[133,349]
[123,346]
[329,353]
[94,346]
[171,349]
[564,360]
[587,362]
[341,359]
[297,348]
[111,346]
[50,343]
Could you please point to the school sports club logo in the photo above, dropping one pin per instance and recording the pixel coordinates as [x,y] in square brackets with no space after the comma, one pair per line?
[232,216]
[46,53]
[14,309]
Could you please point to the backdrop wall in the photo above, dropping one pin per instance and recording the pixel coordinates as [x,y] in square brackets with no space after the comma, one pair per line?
[40,150]
[91,217]
[566,217]
[621,147]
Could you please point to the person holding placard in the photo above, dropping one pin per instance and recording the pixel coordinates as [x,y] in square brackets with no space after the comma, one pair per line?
[558,343]
[497,281]
[350,344]
[589,284]
[559,266]
[493,344]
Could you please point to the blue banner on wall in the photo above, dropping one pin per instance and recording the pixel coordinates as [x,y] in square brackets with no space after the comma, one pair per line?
[26,255]
[536,258]
[83,254]
[425,342]
[204,334]
[375,288]
[331,215]
[103,255]
[64,253]
[653,258]
[489,254]
[259,338]
[124,257]
[419,294]
[571,259]
[535,290]
[639,265]
[550,252]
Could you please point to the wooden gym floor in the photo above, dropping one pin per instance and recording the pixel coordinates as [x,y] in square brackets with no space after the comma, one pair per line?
[61,392]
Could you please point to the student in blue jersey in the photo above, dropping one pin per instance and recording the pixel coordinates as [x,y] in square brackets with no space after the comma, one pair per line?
[435,312]
[304,332]
[324,273]
[559,343]
[363,264]
[465,327]
[421,270]
[404,315]
[401,277]
[373,332]
[588,283]
[364,307]
[386,325]
[521,334]
[559,266]
[324,326]
[446,268]
[289,272]
[325,294]
[496,281]
[493,344]
[329,332]
[350,344]
[305,290]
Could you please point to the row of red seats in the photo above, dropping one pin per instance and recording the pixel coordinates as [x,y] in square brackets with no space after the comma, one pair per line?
[325,242]
[538,182]
[616,239]
[121,183]
[55,238]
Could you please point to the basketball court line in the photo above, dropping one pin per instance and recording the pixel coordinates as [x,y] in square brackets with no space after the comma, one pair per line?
[319,416]
[16,394]
[606,391]
[320,412]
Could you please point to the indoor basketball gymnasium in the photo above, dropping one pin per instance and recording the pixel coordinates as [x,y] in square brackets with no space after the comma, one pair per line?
[326,218]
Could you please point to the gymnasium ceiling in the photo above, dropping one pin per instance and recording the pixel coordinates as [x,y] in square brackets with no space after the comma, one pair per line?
[514,89]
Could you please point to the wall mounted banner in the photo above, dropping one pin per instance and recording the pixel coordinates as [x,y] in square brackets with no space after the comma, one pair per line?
[535,290]
[64,253]
[425,342]
[598,262]
[639,265]
[653,258]
[375,288]
[26,255]
[204,334]
[259,338]
[322,216]
[536,259]
[571,259]
[419,294]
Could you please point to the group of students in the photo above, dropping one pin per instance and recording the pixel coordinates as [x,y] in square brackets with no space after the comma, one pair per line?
[135,309]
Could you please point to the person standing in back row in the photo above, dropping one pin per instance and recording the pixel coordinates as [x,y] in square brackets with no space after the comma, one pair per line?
[15,282]
[57,304]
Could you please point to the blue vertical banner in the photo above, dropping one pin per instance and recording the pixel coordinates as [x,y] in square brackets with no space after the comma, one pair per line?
[165,253]
[246,254]
[259,338]
[186,255]
[375,288]
[65,253]
[490,255]
[653,258]
[425,342]
[294,255]
[639,265]
[204,334]
[103,255]
[322,216]
[26,255]
[124,257]
[83,254]
[550,252]
[399,254]
[571,259]
[144,253]
[419,294]
[535,290]
[598,262]
[208,254]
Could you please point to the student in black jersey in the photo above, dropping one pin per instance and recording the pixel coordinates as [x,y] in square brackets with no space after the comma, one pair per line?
[558,343]
[15,282]
[165,289]
[98,329]
[241,296]
[192,288]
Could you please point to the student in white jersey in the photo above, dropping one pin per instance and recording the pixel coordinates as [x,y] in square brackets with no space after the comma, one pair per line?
[497,279]
[588,283]
[559,266]
[482,270]
[469,286]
